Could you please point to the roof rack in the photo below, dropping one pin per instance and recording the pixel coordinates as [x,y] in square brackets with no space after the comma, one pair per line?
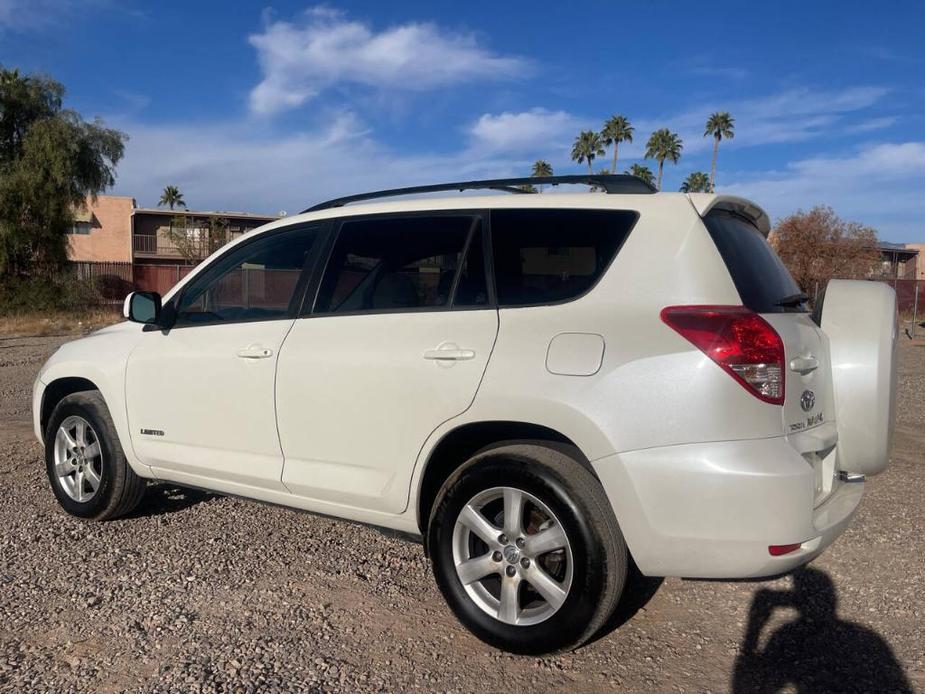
[610,183]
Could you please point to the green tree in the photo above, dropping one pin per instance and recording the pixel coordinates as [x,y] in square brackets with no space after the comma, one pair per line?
[541,168]
[587,147]
[172,197]
[663,144]
[617,129]
[696,182]
[642,171]
[196,238]
[719,125]
[51,161]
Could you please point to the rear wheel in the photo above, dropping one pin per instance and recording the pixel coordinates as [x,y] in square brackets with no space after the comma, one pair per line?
[86,466]
[526,549]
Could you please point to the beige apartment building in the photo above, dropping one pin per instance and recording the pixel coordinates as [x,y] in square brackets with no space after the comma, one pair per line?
[102,231]
[111,229]
[916,269]
[124,246]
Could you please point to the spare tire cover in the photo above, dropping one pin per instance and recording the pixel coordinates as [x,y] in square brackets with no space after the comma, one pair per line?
[859,318]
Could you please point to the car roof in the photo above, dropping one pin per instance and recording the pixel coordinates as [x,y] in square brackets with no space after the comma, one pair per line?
[703,203]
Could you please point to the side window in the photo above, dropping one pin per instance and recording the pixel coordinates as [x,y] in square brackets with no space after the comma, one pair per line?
[254,282]
[547,256]
[472,289]
[394,263]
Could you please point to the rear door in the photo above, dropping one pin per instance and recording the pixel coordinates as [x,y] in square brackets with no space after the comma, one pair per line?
[766,287]
[396,344]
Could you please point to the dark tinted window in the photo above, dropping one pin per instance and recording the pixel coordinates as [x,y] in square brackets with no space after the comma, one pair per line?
[256,281]
[546,256]
[394,263]
[762,280]
[472,289]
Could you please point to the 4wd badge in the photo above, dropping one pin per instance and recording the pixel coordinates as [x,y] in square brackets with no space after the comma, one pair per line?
[808,400]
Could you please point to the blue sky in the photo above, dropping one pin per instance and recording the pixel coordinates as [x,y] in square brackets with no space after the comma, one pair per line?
[272,107]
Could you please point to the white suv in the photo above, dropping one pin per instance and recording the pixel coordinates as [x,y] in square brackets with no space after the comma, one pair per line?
[545,387]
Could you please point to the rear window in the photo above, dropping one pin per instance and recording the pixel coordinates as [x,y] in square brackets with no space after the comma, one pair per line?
[548,256]
[761,278]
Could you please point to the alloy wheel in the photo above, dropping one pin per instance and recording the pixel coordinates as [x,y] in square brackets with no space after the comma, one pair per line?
[512,556]
[78,459]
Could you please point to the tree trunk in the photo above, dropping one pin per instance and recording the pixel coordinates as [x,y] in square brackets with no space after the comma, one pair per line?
[590,168]
[615,145]
[661,163]
[713,170]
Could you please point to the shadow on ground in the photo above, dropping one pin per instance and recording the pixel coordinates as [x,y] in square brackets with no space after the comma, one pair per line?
[161,499]
[815,652]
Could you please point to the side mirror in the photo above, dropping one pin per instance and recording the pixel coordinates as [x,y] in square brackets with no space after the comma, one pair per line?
[143,307]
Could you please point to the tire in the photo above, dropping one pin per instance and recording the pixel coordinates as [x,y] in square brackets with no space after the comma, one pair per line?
[589,571]
[98,483]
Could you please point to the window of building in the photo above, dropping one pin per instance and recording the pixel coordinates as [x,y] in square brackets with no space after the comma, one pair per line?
[547,256]
[396,263]
[81,228]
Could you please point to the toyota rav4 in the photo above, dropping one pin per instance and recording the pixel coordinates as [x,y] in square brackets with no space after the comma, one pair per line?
[545,387]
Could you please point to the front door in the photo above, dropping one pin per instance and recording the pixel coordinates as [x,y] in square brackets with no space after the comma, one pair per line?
[200,395]
[399,338]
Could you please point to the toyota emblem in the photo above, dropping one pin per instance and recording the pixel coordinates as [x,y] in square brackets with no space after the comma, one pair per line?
[808,400]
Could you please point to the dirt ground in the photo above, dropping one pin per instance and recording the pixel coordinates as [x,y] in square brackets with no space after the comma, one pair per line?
[197,592]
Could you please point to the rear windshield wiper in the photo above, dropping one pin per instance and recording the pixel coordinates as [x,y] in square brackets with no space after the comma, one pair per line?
[792,300]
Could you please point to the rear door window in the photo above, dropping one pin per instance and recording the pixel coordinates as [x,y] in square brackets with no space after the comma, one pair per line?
[396,263]
[549,256]
[759,275]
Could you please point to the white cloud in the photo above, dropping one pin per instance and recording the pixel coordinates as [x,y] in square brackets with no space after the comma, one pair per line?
[879,184]
[871,125]
[236,166]
[229,166]
[301,59]
[22,15]
[526,131]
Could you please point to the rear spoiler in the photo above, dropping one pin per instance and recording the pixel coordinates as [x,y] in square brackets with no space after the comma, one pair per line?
[705,202]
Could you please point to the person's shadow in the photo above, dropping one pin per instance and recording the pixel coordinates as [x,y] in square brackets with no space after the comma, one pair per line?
[816,652]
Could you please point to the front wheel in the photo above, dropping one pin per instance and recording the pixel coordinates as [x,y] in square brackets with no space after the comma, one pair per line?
[526,549]
[86,467]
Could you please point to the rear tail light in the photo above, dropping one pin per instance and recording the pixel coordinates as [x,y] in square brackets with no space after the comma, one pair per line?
[780,550]
[738,340]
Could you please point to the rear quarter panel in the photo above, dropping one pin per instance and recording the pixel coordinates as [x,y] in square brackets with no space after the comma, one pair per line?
[654,388]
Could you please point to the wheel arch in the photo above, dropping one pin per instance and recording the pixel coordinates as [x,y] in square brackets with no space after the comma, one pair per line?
[59,389]
[458,445]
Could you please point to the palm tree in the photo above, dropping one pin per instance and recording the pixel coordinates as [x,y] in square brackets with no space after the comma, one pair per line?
[616,130]
[719,125]
[587,146]
[541,168]
[172,197]
[696,182]
[643,172]
[663,144]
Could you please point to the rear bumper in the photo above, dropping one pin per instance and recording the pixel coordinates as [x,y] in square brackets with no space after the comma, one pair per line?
[711,510]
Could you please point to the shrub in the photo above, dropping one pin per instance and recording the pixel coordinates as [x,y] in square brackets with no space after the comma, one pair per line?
[61,293]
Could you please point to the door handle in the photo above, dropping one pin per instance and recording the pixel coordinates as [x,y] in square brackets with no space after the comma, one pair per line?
[451,354]
[255,352]
[803,365]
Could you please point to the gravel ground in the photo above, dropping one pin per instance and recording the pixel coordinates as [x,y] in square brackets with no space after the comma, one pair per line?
[197,592]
